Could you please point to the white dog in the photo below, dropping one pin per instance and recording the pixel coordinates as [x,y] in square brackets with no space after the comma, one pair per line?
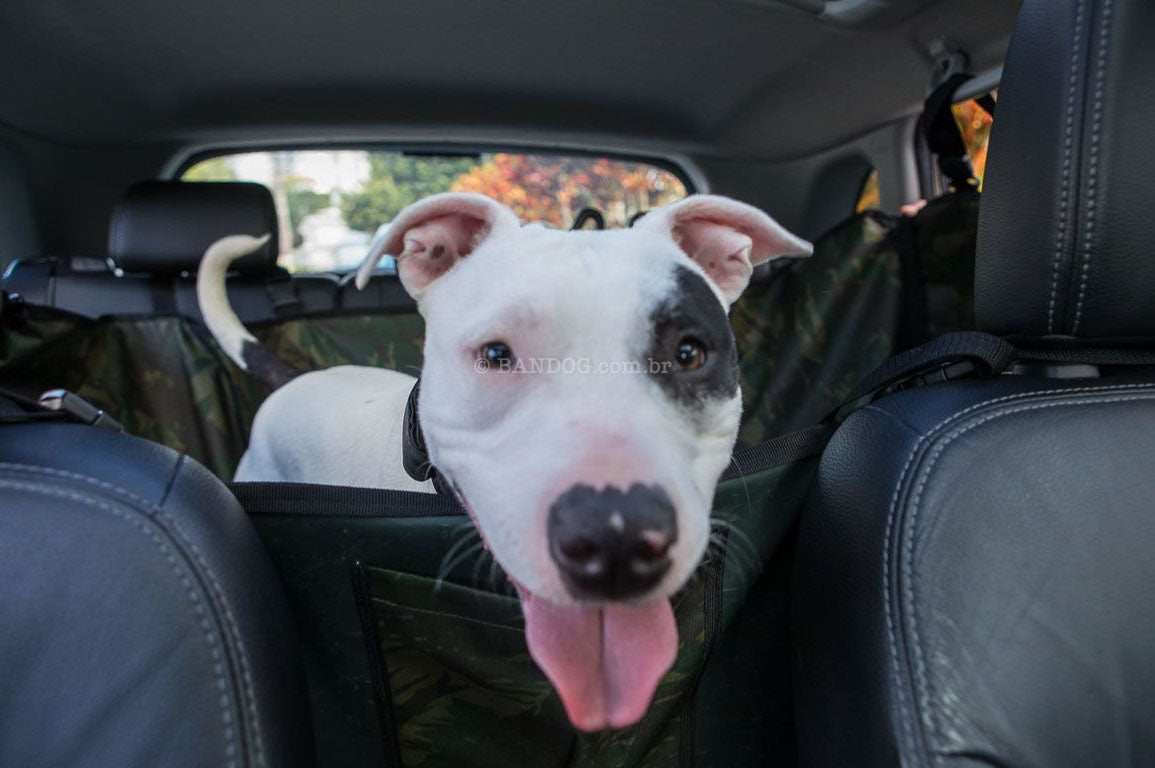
[579,395]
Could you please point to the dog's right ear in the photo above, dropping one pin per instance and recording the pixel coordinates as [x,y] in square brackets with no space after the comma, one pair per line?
[432,235]
[724,237]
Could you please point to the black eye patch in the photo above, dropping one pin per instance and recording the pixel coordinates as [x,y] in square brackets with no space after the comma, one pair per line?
[692,311]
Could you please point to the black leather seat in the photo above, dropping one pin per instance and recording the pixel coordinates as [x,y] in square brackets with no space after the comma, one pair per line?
[162,228]
[157,237]
[143,622]
[383,293]
[158,234]
[974,574]
[81,285]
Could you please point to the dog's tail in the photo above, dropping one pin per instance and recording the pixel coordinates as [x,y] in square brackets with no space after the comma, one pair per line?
[222,321]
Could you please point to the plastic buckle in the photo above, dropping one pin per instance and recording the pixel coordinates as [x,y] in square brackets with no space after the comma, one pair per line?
[958,369]
[283,293]
[79,409]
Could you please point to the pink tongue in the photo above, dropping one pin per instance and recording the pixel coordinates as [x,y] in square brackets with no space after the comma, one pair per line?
[605,662]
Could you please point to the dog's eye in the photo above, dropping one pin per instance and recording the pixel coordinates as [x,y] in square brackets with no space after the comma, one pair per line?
[495,355]
[691,354]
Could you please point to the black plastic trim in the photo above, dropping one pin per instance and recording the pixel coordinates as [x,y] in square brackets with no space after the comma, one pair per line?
[310,500]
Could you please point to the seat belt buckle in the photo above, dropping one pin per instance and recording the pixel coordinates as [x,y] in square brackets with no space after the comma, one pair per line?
[950,371]
[959,369]
[79,409]
[283,294]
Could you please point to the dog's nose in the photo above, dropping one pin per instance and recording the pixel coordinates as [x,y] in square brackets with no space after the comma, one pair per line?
[612,544]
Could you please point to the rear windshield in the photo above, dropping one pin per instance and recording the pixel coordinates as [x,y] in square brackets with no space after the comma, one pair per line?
[331,204]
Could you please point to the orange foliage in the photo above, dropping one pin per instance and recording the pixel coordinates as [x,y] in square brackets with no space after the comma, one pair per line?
[869,196]
[554,189]
[975,125]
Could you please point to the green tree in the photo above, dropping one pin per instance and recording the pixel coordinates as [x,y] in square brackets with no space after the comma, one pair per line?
[302,202]
[213,169]
[397,180]
[378,202]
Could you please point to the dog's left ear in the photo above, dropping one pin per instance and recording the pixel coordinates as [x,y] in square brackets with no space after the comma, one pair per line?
[726,238]
[433,234]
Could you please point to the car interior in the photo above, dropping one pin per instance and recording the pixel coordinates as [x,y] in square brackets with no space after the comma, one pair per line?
[932,544]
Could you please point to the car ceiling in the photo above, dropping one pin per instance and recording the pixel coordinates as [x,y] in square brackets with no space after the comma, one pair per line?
[739,78]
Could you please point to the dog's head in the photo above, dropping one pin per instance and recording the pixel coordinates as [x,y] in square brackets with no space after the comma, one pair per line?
[580,392]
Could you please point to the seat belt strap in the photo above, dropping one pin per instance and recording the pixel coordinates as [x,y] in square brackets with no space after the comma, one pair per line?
[784,449]
[54,405]
[951,356]
[967,354]
[15,409]
[957,355]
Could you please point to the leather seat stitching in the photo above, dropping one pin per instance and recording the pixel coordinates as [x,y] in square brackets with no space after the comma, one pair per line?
[890,518]
[231,623]
[905,720]
[181,573]
[1093,170]
[907,554]
[1068,150]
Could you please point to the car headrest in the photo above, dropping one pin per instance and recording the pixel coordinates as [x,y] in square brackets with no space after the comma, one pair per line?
[1067,222]
[164,227]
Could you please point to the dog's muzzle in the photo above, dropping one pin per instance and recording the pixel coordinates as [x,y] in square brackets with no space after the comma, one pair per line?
[612,544]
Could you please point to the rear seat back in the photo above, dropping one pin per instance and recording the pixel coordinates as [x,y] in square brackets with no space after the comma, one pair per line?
[133,341]
[805,335]
[81,285]
[162,228]
[158,234]
[383,293]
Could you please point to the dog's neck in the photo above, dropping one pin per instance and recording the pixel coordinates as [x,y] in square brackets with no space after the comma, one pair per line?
[414,453]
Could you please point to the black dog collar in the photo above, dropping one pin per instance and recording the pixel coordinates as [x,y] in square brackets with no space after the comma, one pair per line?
[414,454]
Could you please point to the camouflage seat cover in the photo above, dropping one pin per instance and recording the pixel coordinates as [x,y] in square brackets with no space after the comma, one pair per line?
[166,379]
[809,335]
[805,337]
[407,669]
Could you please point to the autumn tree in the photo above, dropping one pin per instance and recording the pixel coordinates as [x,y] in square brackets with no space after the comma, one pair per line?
[538,188]
[554,189]
[975,126]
